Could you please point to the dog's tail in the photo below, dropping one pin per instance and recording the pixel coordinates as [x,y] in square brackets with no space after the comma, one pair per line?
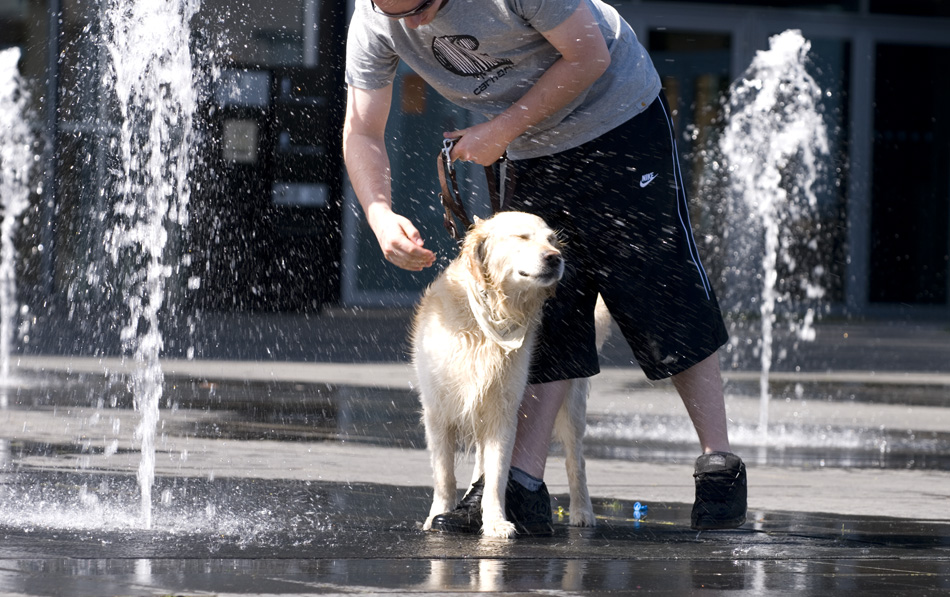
[601,322]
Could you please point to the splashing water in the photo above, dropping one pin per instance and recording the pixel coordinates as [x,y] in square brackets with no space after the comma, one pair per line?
[772,141]
[16,159]
[148,42]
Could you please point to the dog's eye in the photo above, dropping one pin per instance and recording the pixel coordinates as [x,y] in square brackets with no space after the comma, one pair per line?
[523,236]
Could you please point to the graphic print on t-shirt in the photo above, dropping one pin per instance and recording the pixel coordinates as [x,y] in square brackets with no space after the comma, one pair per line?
[457,54]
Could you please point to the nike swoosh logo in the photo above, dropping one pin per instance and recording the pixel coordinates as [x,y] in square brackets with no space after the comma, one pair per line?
[647,179]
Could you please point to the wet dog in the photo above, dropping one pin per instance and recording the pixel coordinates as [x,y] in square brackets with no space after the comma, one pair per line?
[473,335]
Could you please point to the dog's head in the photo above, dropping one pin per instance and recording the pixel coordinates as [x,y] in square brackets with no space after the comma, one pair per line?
[514,252]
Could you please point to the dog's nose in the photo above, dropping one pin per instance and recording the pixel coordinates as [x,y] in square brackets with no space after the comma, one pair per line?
[552,259]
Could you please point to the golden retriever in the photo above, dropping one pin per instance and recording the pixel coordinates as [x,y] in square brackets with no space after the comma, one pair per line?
[473,336]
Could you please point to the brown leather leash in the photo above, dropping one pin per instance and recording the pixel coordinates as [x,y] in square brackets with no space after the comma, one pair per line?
[498,190]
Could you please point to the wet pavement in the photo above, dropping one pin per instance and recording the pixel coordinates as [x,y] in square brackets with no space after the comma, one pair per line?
[280,537]
[288,478]
[290,538]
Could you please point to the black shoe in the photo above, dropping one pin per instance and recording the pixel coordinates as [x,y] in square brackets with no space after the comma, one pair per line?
[467,515]
[720,492]
[529,511]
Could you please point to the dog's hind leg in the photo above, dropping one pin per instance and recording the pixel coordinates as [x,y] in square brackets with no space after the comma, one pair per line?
[570,425]
[569,430]
[479,471]
[441,438]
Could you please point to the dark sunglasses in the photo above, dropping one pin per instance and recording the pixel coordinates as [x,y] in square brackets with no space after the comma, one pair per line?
[401,15]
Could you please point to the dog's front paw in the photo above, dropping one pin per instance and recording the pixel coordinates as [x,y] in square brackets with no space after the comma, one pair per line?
[583,517]
[427,525]
[499,528]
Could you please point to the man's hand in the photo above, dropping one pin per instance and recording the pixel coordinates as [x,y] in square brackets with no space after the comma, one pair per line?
[399,240]
[483,143]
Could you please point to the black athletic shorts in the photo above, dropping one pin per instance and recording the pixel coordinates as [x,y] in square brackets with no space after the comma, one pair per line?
[620,208]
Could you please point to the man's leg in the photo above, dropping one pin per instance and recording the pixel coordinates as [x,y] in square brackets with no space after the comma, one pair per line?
[536,419]
[720,475]
[700,388]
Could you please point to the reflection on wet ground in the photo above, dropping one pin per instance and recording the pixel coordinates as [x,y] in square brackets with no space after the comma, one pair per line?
[245,410]
[465,576]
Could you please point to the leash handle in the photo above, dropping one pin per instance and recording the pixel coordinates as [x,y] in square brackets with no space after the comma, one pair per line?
[499,188]
[451,198]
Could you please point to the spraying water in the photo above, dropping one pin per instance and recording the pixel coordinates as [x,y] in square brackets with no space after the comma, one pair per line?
[16,159]
[772,141]
[149,45]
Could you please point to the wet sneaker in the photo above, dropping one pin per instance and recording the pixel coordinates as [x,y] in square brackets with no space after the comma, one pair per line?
[530,511]
[720,492]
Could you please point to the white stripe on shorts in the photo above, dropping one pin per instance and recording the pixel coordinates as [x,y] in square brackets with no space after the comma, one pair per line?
[682,207]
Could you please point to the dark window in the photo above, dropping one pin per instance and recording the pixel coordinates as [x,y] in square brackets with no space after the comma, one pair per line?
[910,205]
[918,8]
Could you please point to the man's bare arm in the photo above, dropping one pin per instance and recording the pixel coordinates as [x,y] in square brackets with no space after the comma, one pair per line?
[368,166]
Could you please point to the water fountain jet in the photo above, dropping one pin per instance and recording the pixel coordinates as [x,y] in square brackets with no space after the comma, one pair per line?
[151,67]
[773,138]
[16,160]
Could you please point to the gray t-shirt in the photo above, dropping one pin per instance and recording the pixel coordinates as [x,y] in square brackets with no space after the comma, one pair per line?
[483,55]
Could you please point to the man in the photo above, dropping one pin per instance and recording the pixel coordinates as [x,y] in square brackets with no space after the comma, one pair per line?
[567,90]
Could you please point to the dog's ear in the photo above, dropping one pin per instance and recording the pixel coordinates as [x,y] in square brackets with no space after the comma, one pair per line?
[475,253]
